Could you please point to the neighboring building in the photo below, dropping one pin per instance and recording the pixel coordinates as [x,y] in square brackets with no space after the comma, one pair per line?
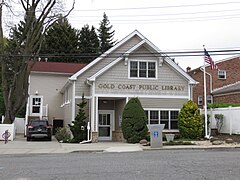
[223,85]
[45,83]
[134,67]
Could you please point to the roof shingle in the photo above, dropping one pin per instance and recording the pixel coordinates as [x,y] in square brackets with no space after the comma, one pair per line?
[57,67]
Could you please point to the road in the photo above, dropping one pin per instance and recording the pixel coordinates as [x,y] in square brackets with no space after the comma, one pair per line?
[150,165]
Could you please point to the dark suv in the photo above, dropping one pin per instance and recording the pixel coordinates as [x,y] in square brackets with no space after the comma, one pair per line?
[39,129]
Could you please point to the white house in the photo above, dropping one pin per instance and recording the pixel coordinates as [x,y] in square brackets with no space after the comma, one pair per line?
[134,67]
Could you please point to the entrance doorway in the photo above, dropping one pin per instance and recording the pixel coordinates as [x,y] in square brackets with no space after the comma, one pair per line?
[105,125]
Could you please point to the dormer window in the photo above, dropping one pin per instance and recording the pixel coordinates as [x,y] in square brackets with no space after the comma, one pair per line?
[142,69]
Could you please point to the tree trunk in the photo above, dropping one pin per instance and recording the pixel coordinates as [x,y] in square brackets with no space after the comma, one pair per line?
[16,67]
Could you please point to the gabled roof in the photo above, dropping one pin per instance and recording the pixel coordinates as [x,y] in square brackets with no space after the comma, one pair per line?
[56,67]
[227,89]
[75,76]
[157,52]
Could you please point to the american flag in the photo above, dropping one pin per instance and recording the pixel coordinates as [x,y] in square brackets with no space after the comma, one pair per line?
[209,60]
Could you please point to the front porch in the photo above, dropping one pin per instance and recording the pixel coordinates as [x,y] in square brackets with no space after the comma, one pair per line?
[106,124]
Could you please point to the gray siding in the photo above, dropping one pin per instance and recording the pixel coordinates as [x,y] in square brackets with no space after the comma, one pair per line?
[67,114]
[116,81]
[68,107]
[162,103]
[81,86]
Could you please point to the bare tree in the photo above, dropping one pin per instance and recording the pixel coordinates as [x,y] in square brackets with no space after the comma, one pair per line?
[16,65]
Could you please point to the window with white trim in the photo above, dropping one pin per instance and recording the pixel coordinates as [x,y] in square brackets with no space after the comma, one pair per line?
[36,104]
[209,99]
[167,117]
[200,100]
[222,74]
[142,69]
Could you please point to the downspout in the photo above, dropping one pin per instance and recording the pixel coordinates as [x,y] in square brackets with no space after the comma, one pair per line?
[89,138]
[73,100]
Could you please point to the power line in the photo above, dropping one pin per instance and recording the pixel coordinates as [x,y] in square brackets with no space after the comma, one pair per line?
[161,7]
[152,15]
[157,54]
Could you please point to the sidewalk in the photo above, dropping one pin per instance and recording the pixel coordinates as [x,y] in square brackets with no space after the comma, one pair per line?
[21,146]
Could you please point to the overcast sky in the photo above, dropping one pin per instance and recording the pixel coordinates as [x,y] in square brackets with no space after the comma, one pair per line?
[172,25]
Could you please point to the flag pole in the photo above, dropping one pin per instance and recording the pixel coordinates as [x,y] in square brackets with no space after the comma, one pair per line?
[205,99]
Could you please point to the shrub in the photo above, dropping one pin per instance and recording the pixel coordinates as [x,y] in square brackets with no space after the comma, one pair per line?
[190,122]
[62,135]
[222,105]
[79,126]
[134,123]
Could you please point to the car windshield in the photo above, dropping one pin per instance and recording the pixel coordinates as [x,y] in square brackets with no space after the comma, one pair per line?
[39,123]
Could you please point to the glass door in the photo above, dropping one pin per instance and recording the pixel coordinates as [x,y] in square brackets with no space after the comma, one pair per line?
[105,125]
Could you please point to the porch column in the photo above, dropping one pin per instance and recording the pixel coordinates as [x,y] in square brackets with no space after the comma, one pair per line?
[96,113]
[92,114]
[94,124]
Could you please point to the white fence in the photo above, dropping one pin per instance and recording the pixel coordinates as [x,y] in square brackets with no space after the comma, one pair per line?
[231,119]
[17,127]
[11,130]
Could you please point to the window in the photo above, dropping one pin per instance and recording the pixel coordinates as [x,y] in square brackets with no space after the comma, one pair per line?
[209,99]
[133,69]
[154,117]
[164,117]
[174,119]
[151,69]
[36,102]
[167,117]
[142,69]
[200,100]
[222,74]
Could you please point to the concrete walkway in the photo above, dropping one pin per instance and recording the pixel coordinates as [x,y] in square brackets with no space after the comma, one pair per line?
[21,146]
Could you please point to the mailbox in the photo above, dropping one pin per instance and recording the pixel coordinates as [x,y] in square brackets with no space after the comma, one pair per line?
[156,135]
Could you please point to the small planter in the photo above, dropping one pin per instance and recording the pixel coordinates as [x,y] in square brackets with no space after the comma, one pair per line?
[169,137]
[11,130]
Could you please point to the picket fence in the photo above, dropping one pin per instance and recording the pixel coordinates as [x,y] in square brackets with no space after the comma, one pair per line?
[231,119]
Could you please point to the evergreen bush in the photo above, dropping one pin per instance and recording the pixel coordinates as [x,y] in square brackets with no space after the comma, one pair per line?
[134,123]
[190,122]
[79,126]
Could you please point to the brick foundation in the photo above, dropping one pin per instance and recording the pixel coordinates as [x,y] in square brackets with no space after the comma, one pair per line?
[118,136]
[94,137]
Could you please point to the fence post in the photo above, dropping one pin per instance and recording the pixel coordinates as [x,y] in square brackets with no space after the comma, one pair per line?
[230,120]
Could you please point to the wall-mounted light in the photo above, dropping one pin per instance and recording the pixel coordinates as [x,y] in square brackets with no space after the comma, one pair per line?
[36,93]
[104,102]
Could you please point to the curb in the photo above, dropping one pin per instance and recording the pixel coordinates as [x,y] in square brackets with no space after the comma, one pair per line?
[192,148]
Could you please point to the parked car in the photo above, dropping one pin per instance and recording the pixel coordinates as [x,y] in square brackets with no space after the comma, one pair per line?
[39,129]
